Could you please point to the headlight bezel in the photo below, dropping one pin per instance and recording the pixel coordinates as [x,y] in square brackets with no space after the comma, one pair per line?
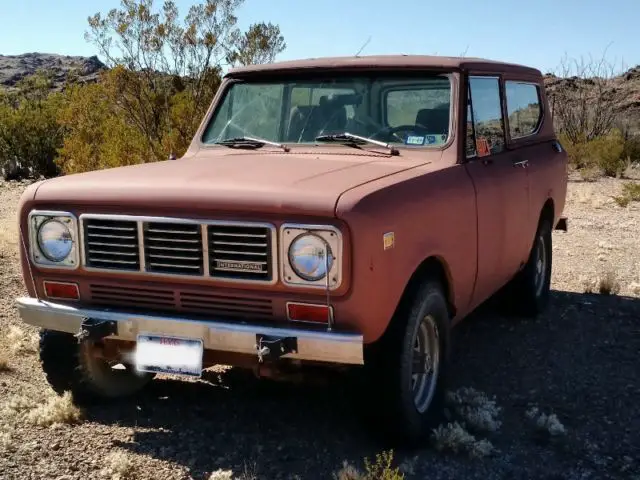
[289,232]
[37,218]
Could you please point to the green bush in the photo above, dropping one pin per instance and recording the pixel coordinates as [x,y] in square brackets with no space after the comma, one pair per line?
[29,131]
[604,153]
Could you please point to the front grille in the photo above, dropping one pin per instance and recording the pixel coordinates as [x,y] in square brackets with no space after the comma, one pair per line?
[197,302]
[240,252]
[174,248]
[111,244]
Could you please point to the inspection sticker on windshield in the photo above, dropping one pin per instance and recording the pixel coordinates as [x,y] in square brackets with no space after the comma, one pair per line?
[414,140]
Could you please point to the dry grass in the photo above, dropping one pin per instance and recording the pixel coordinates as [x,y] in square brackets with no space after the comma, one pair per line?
[6,439]
[475,409]
[453,437]
[381,469]
[120,465]
[57,410]
[20,341]
[605,284]
[221,475]
[53,411]
[248,473]
[546,423]
[590,174]
[630,193]
[4,360]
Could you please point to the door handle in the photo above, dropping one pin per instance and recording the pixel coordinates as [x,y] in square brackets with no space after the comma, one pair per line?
[521,163]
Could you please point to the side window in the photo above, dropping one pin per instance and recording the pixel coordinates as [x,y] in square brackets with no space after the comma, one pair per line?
[487,115]
[403,106]
[523,108]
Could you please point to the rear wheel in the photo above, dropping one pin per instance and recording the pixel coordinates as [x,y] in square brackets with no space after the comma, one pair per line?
[407,371]
[529,290]
[70,366]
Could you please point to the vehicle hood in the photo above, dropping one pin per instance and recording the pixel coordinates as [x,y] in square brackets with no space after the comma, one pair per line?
[270,182]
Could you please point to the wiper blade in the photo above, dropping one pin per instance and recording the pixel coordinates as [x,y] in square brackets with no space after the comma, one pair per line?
[355,139]
[250,142]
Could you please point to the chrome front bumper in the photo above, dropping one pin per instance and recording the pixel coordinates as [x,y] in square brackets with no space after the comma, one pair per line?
[218,334]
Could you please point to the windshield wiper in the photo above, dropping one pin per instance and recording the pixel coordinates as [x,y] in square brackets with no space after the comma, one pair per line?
[355,140]
[250,142]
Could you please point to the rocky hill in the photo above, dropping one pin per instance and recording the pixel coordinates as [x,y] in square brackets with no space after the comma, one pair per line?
[623,90]
[15,67]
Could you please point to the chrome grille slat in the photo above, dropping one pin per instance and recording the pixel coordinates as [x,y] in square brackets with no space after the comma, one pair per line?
[119,229]
[187,256]
[240,252]
[249,235]
[119,237]
[233,252]
[107,248]
[240,244]
[105,252]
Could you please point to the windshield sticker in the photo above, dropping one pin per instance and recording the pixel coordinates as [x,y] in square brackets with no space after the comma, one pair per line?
[414,140]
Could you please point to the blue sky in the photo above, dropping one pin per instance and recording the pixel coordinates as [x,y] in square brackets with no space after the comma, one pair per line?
[508,30]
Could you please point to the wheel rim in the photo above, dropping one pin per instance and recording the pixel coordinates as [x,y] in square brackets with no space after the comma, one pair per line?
[540,265]
[426,363]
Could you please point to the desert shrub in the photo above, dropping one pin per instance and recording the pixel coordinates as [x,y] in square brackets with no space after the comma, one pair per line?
[631,149]
[603,153]
[380,469]
[632,191]
[29,131]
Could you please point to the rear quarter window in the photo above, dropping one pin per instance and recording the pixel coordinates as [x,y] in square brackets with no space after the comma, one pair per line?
[523,108]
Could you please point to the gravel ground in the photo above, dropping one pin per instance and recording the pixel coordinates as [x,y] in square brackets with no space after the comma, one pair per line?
[579,361]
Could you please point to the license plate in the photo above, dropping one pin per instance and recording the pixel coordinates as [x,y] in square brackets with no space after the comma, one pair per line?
[161,354]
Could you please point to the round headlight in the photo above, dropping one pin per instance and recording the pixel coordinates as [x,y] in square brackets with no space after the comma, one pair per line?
[54,240]
[307,257]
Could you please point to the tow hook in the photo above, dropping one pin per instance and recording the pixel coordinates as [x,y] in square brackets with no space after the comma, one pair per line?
[92,329]
[272,348]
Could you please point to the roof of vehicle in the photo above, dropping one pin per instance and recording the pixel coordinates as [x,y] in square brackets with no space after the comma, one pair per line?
[369,62]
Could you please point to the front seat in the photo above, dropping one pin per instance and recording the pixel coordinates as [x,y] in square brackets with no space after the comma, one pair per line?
[434,120]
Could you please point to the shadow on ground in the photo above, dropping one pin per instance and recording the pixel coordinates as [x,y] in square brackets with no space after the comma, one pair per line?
[578,360]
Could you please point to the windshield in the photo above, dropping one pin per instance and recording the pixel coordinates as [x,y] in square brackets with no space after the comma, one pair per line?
[405,111]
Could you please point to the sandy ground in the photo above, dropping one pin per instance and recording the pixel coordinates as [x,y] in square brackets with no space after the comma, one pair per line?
[579,361]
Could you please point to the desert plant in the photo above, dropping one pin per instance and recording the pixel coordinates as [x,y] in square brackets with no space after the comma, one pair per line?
[160,55]
[56,410]
[380,469]
[622,200]
[546,423]
[632,191]
[582,106]
[455,438]
[608,284]
[475,409]
[119,465]
[29,132]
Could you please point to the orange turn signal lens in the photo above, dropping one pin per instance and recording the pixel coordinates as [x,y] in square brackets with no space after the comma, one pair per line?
[63,290]
[304,312]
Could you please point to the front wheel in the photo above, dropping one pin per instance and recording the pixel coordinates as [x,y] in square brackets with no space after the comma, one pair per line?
[409,367]
[74,367]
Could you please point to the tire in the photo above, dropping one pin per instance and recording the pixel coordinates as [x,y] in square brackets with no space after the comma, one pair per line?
[529,292]
[407,405]
[69,366]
